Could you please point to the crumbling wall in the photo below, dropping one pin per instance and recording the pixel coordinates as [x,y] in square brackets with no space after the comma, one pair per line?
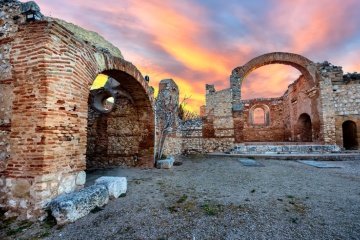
[192,140]
[273,130]
[326,74]
[218,126]
[89,37]
[300,98]
[346,103]
[51,72]
[114,139]
[167,103]
[8,26]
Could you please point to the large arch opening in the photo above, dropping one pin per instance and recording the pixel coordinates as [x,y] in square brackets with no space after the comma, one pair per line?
[349,130]
[268,81]
[120,127]
[304,128]
[306,67]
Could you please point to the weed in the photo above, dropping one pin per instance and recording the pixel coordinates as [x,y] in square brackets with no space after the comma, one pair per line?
[208,210]
[173,209]
[182,199]
[189,206]
[290,196]
[22,225]
[294,220]
[252,191]
[123,195]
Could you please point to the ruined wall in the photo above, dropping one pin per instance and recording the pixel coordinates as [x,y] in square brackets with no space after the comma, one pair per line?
[218,126]
[51,74]
[167,103]
[347,106]
[273,129]
[89,36]
[326,74]
[300,99]
[114,139]
[10,17]
[192,140]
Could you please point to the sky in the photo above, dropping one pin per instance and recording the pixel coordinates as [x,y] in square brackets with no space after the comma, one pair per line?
[198,42]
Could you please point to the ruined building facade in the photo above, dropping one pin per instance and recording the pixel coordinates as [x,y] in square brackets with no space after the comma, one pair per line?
[321,107]
[50,132]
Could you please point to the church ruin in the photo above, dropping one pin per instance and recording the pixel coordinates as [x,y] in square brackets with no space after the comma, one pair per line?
[50,132]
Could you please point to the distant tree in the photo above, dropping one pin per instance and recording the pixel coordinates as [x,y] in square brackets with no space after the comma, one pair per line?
[170,117]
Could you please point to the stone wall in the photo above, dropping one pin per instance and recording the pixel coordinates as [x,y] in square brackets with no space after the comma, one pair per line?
[273,128]
[327,73]
[346,103]
[114,139]
[51,74]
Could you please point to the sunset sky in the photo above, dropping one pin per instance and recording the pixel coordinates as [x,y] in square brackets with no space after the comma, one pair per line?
[196,42]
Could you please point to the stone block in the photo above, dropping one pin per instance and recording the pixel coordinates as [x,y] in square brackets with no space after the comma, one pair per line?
[70,207]
[115,185]
[165,164]
[80,178]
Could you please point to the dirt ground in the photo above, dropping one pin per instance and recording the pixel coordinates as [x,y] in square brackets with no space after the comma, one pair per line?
[219,198]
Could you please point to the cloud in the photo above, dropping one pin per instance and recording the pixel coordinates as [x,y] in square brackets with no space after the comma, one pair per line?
[202,41]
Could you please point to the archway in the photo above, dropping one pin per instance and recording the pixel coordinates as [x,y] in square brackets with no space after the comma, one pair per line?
[50,140]
[304,65]
[349,130]
[304,128]
[259,114]
[120,130]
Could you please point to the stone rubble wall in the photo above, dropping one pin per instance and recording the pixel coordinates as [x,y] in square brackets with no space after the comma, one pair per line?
[328,73]
[114,139]
[274,131]
[347,105]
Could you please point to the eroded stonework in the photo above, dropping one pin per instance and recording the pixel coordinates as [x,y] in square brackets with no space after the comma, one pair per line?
[320,107]
[46,74]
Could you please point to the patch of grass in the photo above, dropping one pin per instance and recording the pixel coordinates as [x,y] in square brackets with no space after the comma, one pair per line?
[208,210]
[290,196]
[173,209]
[300,208]
[5,223]
[182,199]
[123,195]
[253,190]
[48,223]
[22,225]
[294,219]
[189,206]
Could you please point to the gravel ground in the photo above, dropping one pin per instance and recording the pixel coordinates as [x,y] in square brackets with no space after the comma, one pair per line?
[219,198]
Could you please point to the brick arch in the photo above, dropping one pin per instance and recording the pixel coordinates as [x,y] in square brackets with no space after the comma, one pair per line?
[52,71]
[130,79]
[304,65]
[106,141]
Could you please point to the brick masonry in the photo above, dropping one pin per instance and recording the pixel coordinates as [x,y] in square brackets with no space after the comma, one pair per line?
[313,109]
[49,133]
[46,74]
